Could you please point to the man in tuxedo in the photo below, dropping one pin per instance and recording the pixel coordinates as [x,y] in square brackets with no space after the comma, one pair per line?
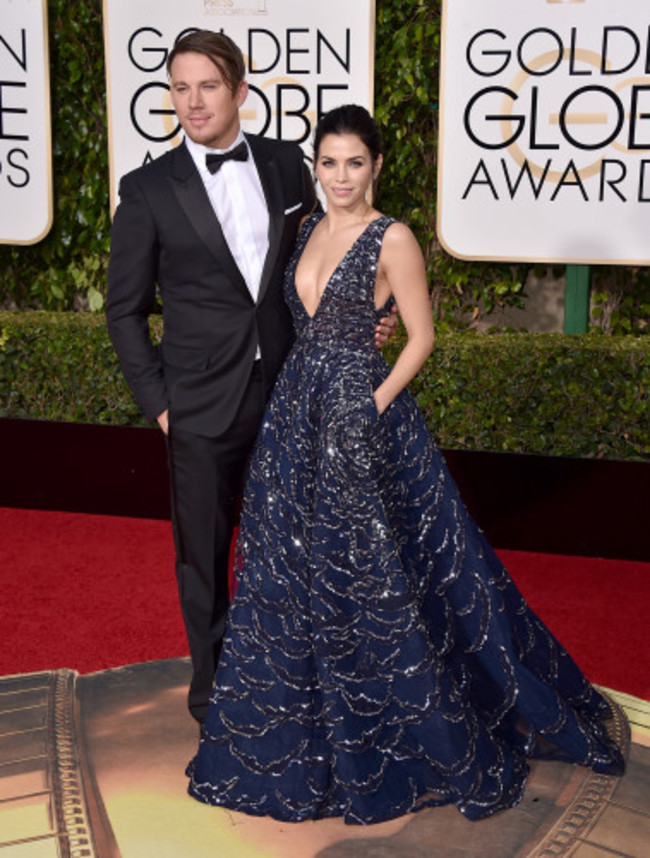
[210,225]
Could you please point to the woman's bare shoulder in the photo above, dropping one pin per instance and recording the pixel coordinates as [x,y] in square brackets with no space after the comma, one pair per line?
[399,238]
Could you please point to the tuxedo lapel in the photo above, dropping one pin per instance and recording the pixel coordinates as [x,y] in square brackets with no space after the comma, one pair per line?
[270,178]
[193,199]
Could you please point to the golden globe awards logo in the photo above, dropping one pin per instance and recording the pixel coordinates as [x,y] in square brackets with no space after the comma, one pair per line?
[545,141]
[280,102]
[600,104]
[25,133]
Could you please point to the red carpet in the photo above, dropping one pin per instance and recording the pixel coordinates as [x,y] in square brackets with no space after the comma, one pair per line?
[90,592]
[86,591]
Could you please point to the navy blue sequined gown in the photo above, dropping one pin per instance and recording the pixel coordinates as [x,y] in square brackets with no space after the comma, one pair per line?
[379,659]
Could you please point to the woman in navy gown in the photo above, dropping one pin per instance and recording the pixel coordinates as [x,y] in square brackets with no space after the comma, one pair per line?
[379,658]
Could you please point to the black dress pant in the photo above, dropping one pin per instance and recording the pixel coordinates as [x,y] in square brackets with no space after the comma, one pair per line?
[207,476]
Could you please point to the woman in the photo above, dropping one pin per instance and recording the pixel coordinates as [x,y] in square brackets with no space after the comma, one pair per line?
[379,658]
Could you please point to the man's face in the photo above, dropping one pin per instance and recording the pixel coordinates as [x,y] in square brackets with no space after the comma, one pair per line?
[206,108]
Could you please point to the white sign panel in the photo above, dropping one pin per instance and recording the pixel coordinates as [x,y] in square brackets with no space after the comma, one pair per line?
[303,57]
[25,130]
[545,130]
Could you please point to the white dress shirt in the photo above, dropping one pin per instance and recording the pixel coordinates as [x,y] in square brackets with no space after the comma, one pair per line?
[237,198]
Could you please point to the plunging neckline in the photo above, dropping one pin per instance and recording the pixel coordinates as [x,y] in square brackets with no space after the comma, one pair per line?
[334,270]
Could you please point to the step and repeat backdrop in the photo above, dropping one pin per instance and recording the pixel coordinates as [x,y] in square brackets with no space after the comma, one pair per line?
[303,57]
[544,143]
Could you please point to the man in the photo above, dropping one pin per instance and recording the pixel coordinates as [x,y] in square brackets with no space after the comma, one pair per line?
[213,234]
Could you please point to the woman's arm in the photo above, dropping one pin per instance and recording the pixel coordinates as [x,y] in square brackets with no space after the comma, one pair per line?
[401,272]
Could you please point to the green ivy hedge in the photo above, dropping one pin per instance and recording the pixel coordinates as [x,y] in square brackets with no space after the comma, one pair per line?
[584,395]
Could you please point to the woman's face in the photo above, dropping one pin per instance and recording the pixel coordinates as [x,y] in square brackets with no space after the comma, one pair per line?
[345,168]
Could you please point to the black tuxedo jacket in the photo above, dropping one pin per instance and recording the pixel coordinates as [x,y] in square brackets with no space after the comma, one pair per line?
[166,235]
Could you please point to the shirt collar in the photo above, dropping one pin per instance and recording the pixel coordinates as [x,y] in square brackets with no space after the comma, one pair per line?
[198,151]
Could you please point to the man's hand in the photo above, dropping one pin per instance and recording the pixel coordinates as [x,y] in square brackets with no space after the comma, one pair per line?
[163,421]
[386,328]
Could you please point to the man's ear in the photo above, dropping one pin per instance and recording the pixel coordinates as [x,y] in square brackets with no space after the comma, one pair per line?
[242,93]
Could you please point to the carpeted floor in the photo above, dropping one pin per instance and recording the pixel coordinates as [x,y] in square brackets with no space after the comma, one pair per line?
[91,592]
[86,592]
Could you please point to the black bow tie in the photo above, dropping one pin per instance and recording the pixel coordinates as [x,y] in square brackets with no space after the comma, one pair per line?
[239,153]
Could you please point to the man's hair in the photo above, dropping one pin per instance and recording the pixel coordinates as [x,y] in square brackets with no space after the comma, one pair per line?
[218,48]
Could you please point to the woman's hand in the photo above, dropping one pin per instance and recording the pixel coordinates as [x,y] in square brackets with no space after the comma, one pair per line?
[380,405]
